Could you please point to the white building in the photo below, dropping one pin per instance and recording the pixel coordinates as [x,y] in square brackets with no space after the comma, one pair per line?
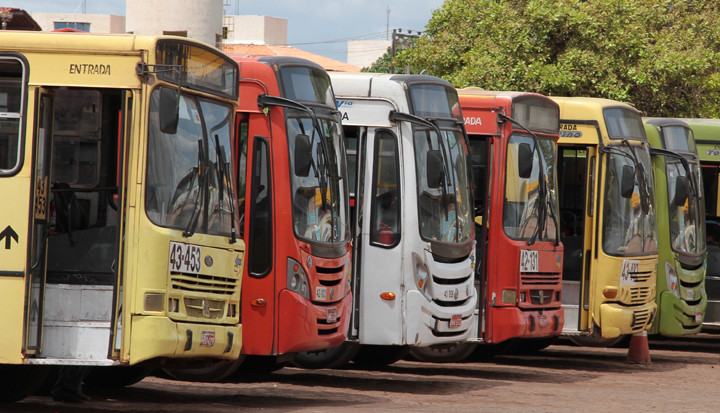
[364,53]
[198,19]
[256,30]
[91,23]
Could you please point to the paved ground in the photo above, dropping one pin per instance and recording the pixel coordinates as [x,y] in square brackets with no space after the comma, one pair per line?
[684,376]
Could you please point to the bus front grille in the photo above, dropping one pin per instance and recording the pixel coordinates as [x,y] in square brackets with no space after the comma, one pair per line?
[540,278]
[640,295]
[205,284]
[202,308]
[640,318]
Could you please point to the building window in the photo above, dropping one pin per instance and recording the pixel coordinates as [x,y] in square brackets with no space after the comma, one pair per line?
[85,27]
[182,33]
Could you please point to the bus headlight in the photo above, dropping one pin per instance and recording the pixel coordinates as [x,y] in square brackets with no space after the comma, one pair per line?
[297,281]
[422,276]
[672,279]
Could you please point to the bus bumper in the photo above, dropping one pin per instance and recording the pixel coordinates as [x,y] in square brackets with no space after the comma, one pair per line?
[511,322]
[616,320]
[304,326]
[429,323]
[157,336]
[677,317]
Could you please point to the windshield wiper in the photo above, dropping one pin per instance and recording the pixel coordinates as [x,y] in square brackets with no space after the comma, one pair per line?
[201,178]
[543,189]
[266,100]
[223,174]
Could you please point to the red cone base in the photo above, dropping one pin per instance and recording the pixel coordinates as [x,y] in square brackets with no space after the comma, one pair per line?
[639,350]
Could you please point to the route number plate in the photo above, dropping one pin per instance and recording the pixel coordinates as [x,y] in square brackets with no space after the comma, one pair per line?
[528,261]
[184,258]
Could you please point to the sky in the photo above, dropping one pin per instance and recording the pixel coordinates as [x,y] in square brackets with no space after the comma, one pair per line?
[319,26]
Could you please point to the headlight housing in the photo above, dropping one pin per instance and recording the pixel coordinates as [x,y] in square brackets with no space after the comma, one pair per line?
[297,281]
[671,279]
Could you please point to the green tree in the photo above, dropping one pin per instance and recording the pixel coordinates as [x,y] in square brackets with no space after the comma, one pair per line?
[382,65]
[660,55]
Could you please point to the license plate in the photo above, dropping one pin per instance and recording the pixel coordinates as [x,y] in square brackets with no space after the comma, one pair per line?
[321,293]
[456,320]
[698,317]
[331,313]
[207,339]
[690,294]
[542,320]
[184,258]
[528,261]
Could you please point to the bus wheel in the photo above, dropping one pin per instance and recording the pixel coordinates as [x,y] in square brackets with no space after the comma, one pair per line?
[370,355]
[443,353]
[596,341]
[116,376]
[327,359]
[210,373]
[19,381]
[531,345]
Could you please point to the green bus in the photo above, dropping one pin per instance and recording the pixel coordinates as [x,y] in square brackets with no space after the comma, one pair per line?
[682,251]
[707,139]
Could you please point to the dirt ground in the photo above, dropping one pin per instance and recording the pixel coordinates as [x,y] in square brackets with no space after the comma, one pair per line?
[684,376]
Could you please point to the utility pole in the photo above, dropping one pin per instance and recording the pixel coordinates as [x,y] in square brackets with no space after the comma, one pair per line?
[401,39]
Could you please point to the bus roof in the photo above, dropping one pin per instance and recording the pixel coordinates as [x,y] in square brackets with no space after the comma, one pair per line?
[582,119]
[23,41]
[707,130]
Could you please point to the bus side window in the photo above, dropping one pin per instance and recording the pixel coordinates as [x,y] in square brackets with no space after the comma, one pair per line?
[385,214]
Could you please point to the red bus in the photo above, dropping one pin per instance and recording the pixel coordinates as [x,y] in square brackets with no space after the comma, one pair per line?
[513,138]
[294,215]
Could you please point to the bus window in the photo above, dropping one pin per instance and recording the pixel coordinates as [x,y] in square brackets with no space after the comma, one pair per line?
[11,93]
[261,228]
[385,228]
[685,233]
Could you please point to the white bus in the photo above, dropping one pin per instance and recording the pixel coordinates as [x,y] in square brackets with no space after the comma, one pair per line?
[412,217]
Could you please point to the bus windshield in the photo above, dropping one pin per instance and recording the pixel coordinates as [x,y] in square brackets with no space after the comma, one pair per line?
[686,233]
[189,185]
[320,212]
[530,209]
[445,212]
[629,225]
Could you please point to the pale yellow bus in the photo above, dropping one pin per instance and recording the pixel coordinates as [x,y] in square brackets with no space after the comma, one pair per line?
[118,243]
[607,220]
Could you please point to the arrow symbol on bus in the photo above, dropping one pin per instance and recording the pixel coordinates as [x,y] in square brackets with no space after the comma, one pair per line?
[8,234]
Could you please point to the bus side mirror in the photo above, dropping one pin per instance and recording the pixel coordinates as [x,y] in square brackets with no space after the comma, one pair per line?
[302,155]
[525,164]
[434,169]
[627,182]
[682,184]
[169,105]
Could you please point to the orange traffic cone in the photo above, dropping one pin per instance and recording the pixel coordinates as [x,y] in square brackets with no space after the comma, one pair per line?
[639,350]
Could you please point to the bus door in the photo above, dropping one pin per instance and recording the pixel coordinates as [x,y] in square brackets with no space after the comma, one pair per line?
[355,138]
[481,150]
[35,286]
[81,298]
[256,159]
[382,250]
[711,183]
[576,169]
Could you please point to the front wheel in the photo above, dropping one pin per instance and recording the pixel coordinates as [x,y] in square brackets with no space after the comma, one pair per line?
[328,358]
[443,353]
[209,374]
[19,381]
[596,341]
[379,356]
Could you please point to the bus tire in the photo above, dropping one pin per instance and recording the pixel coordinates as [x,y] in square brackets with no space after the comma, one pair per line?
[209,374]
[20,381]
[378,356]
[596,341]
[116,376]
[444,353]
[327,359]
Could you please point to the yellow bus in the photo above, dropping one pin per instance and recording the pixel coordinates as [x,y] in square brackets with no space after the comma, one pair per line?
[118,218]
[607,220]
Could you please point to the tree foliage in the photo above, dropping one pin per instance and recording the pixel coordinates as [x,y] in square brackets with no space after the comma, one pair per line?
[661,55]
